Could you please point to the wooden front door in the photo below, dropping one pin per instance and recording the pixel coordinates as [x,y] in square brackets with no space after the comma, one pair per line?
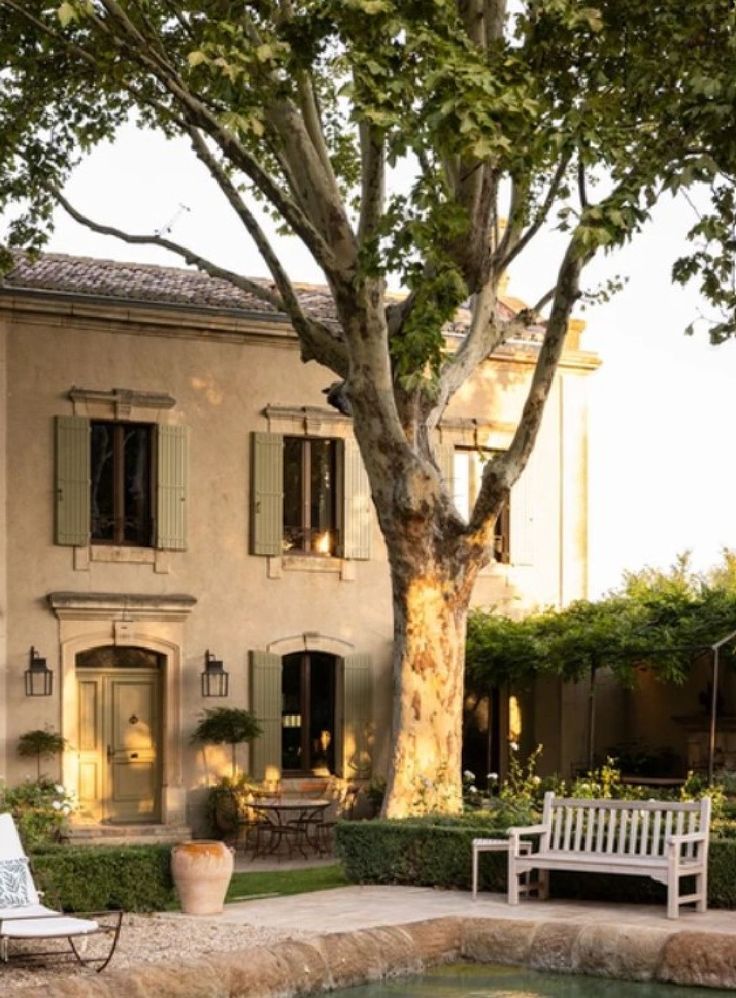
[119,744]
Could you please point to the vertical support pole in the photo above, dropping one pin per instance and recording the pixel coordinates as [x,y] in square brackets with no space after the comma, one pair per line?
[713,713]
[591,714]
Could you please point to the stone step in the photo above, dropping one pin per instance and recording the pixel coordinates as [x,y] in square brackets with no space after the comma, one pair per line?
[128,834]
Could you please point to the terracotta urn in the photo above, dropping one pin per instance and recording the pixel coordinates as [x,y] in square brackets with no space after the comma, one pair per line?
[201,870]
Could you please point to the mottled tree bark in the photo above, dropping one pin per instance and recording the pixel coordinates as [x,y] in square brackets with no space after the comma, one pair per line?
[428,660]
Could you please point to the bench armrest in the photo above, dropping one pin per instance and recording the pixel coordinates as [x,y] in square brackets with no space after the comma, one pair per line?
[518,830]
[677,840]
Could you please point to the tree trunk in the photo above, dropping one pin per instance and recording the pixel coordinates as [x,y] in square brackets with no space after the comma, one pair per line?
[430,612]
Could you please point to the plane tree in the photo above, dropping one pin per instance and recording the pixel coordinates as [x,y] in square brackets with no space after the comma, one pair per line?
[508,118]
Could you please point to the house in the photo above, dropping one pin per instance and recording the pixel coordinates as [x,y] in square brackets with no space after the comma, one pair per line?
[177,493]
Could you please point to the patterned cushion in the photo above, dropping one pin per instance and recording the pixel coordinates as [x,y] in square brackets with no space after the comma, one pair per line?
[13,883]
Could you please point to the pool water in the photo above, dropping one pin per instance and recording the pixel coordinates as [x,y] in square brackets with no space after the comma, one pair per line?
[469,980]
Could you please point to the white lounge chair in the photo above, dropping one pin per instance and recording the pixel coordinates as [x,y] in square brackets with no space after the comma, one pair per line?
[27,918]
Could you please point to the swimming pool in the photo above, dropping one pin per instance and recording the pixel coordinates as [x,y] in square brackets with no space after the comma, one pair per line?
[468,980]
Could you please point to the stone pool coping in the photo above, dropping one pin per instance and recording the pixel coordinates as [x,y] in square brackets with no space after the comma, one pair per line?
[341,959]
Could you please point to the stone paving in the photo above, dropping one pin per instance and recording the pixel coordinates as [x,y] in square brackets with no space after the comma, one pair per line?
[346,908]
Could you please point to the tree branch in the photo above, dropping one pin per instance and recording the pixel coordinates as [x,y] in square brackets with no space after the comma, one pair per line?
[504,470]
[251,287]
[512,246]
[198,114]
[317,341]
[373,178]
[582,190]
[481,339]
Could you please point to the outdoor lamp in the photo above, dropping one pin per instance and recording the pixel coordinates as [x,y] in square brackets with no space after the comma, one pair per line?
[215,680]
[39,678]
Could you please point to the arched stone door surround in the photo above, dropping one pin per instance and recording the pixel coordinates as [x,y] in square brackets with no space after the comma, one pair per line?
[158,629]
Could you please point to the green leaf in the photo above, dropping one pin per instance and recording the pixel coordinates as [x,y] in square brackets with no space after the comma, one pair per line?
[196,58]
[66,14]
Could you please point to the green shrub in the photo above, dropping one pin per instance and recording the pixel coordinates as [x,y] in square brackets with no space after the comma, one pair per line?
[93,878]
[424,853]
[40,809]
[433,853]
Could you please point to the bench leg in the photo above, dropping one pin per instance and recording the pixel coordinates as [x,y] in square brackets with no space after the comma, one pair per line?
[475,873]
[543,885]
[513,882]
[673,897]
[701,888]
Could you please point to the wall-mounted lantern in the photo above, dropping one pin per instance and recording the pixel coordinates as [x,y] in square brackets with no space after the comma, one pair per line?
[215,680]
[39,678]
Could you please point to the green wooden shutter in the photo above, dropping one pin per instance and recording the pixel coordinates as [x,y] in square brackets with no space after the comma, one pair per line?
[72,480]
[171,517]
[357,716]
[445,456]
[267,494]
[357,513]
[265,703]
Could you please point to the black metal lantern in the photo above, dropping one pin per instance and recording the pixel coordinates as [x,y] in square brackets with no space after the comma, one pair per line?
[215,680]
[39,678]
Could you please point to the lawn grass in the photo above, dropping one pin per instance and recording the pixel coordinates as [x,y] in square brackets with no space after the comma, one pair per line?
[278,883]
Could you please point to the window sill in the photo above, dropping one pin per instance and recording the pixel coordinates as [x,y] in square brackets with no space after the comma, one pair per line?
[122,554]
[310,563]
[114,554]
[345,568]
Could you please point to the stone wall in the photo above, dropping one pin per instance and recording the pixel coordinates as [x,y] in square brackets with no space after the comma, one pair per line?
[338,960]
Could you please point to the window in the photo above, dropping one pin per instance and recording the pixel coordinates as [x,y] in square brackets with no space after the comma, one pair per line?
[308,713]
[316,713]
[121,475]
[310,496]
[120,483]
[466,478]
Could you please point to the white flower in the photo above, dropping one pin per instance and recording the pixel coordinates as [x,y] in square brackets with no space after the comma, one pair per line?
[536,780]
[65,809]
[56,804]
[59,789]
[467,775]
[491,776]
[514,746]
[472,790]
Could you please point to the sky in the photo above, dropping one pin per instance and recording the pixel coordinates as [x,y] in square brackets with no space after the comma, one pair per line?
[662,405]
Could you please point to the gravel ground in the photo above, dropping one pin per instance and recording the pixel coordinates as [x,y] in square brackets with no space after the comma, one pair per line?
[157,938]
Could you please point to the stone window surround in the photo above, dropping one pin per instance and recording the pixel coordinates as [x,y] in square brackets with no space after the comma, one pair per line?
[308,421]
[91,620]
[121,404]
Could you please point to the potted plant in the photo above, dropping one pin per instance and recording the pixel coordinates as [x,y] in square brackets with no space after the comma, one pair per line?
[230,795]
[227,803]
[43,743]
[227,726]
[202,869]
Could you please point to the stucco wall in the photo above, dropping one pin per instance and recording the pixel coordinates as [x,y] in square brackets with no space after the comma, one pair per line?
[221,385]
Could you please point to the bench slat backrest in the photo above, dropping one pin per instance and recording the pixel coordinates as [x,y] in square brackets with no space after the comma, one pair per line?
[618,827]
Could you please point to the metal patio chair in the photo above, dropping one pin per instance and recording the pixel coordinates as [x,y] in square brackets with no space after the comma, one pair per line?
[23,917]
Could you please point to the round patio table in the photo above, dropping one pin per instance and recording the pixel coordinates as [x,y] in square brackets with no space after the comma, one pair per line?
[294,820]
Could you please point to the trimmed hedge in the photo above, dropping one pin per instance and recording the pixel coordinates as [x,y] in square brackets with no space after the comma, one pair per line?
[427,855]
[93,878]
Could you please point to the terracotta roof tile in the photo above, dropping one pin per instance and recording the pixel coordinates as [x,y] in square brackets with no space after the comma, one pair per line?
[145,282]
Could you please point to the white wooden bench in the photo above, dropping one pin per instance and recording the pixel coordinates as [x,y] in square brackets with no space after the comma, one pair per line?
[663,840]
